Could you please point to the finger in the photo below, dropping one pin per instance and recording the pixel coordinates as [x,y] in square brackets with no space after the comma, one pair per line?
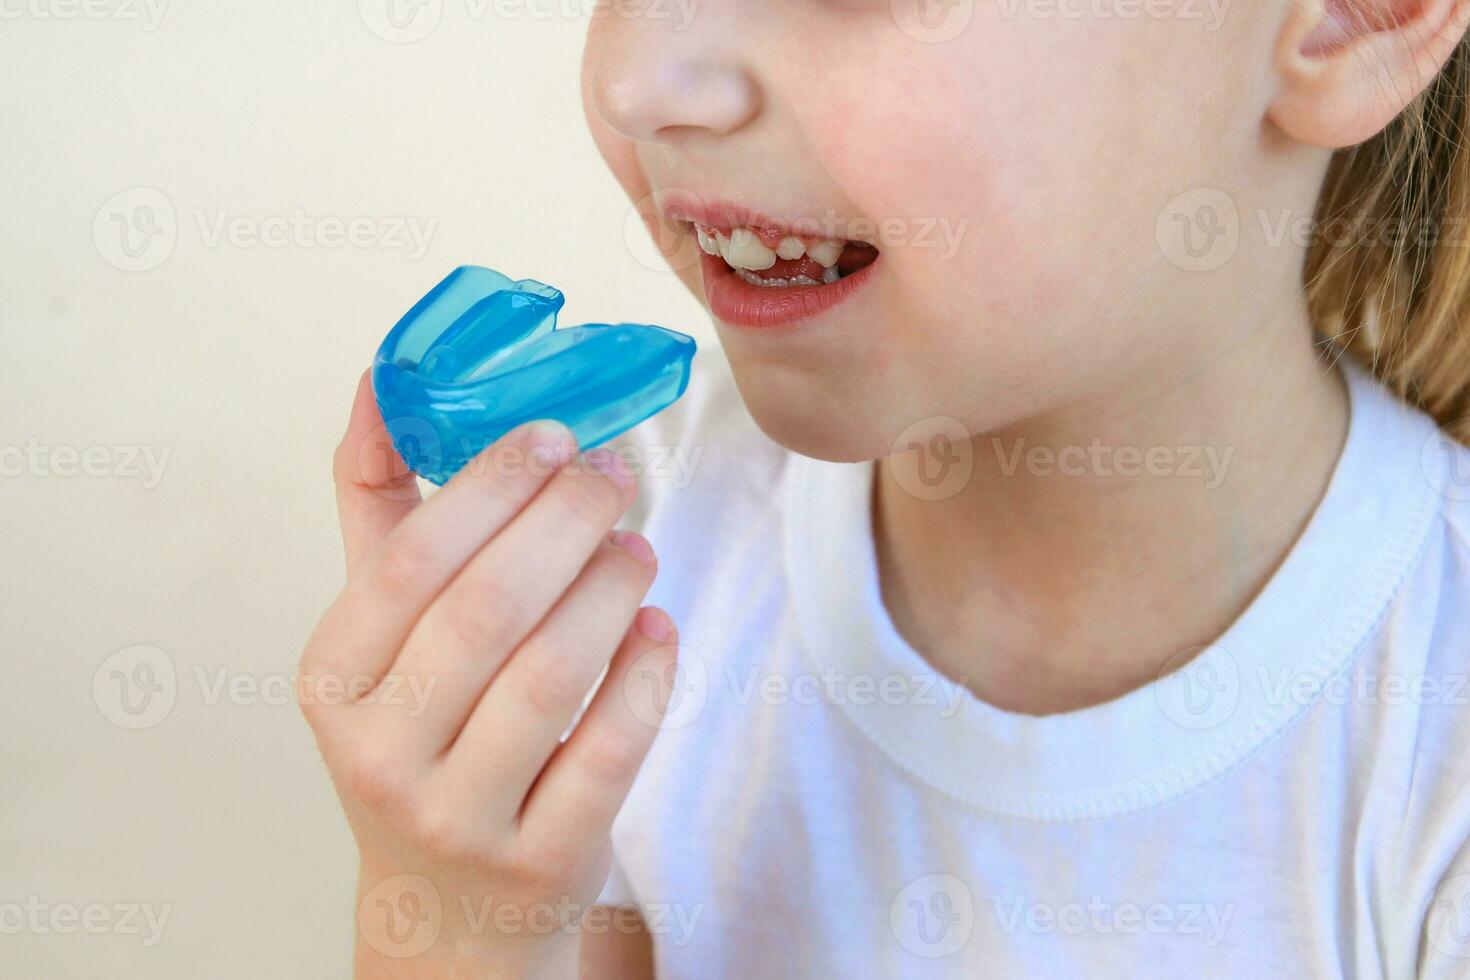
[376,612]
[506,589]
[375,488]
[584,785]
[518,723]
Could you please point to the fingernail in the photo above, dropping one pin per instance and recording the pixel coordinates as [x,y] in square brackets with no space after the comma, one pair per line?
[655,624]
[635,545]
[607,462]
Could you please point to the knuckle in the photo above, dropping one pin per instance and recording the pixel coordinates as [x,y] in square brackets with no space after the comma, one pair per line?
[549,866]
[630,574]
[485,477]
[560,863]
[309,706]
[440,831]
[619,582]
[552,688]
[373,781]
[482,613]
[610,760]
[403,566]
[316,661]
[589,502]
[503,467]
[344,462]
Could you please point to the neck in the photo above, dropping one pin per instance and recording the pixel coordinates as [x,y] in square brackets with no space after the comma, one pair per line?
[1094,549]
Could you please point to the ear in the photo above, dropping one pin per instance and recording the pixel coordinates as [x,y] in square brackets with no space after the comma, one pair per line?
[1347,67]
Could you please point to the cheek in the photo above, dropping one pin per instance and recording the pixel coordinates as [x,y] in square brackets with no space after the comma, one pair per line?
[977,178]
[1036,155]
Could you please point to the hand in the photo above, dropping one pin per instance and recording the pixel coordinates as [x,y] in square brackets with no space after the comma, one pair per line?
[469,632]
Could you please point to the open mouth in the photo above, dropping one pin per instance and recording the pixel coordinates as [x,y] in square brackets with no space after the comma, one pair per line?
[767,273]
[772,259]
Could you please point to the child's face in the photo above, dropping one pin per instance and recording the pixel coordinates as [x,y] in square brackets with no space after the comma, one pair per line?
[1014,178]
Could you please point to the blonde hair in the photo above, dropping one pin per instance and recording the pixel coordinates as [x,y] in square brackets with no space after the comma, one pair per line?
[1388,276]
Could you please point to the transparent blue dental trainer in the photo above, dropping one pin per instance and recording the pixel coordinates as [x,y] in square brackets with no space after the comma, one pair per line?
[482,354]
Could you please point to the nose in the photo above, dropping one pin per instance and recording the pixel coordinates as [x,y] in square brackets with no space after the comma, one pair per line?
[655,85]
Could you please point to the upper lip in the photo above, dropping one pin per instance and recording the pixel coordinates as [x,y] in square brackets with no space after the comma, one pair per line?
[684,207]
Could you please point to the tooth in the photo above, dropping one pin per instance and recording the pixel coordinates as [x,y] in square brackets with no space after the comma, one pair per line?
[722,246]
[707,242]
[830,274]
[791,247]
[826,252]
[747,252]
[765,283]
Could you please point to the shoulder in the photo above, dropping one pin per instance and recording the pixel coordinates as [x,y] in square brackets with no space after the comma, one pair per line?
[1411,693]
[1434,604]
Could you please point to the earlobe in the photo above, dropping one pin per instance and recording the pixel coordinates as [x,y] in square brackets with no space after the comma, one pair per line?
[1347,68]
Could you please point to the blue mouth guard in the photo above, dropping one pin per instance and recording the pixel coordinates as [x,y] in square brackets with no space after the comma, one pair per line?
[481,354]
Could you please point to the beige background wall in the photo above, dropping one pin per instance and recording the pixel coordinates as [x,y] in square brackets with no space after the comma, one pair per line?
[229,361]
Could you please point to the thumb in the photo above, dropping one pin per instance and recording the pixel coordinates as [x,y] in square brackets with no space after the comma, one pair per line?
[375,487]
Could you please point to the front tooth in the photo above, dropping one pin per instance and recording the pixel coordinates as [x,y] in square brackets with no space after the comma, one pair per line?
[826,252]
[707,242]
[791,247]
[748,252]
[722,245]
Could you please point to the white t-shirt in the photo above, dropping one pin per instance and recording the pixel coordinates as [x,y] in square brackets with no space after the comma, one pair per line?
[1293,803]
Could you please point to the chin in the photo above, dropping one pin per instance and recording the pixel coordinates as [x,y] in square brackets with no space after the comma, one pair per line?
[809,420]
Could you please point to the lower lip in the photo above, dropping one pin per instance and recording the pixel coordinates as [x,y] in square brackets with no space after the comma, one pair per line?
[734,301]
